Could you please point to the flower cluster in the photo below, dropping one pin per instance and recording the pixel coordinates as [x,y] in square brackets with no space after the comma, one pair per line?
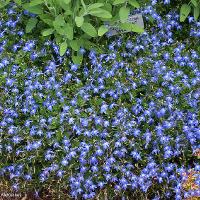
[127,120]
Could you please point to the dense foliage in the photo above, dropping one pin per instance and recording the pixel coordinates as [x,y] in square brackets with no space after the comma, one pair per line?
[125,123]
[193,5]
[74,23]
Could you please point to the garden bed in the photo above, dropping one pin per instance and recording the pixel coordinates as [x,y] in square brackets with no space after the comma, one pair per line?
[117,120]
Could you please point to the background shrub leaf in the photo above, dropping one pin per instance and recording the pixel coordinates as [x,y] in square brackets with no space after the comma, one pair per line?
[102,30]
[185,11]
[89,29]
[31,24]
[63,48]
[124,13]
[79,21]
[47,32]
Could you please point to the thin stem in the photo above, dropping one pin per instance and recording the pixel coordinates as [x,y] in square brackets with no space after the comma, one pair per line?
[84,6]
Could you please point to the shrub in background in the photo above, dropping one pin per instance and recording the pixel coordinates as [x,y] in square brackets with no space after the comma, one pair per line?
[193,5]
[124,124]
[74,23]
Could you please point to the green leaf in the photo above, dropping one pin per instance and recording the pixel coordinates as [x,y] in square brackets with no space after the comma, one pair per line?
[94,6]
[58,38]
[75,45]
[102,30]
[64,1]
[108,7]
[4,3]
[34,9]
[185,11]
[99,12]
[59,136]
[63,48]
[47,32]
[48,21]
[151,19]
[116,2]
[194,2]
[77,59]
[134,3]
[196,13]
[80,101]
[18,2]
[35,2]
[124,13]
[47,18]
[68,10]
[31,24]
[87,44]
[79,21]
[64,4]
[131,27]
[89,29]
[54,124]
[59,20]
[60,30]
[68,31]
[60,25]
[98,101]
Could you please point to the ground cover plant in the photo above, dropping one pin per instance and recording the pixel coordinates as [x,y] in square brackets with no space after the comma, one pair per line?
[124,124]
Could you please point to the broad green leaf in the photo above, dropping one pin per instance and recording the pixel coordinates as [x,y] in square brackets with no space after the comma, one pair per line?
[35,2]
[185,11]
[48,21]
[99,12]
[196,13]
[63,48]
[33,9]
[58,38]
[31,24]
[194,2]
[75,45]
[94,6]
[64,4]
[124,13]
[47,18]
[47,32]
[89,29]
[59,20]
[108,7]
[116,2]
[102,30]
[59,24]
[131,27]
[79,21]
[134,3]
[68,13]
[68,10]
[60,30]
[68,31]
